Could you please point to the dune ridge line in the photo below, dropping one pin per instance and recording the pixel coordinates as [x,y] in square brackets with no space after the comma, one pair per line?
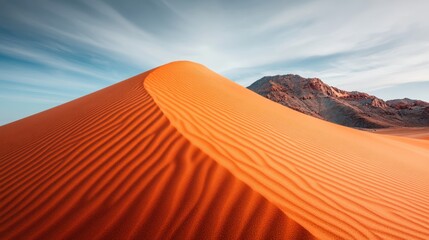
[335,181]
[111,166]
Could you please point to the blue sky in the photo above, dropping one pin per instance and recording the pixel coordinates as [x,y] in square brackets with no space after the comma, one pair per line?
[54,51]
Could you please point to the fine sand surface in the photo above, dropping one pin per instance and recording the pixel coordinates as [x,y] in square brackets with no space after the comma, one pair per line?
[337,182]
[419,133]
[110,165]
[181,152]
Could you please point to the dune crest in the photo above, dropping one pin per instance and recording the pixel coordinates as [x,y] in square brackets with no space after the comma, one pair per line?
[111,166]
[335,181]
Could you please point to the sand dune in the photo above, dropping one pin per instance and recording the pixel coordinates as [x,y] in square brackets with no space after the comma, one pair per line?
[419,133]
[111,166]
[335,181]
[181,152]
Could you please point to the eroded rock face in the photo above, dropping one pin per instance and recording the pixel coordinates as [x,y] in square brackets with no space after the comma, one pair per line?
[354,109]
[407,103]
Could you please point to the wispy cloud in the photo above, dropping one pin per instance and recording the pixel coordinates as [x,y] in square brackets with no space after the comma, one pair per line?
[358,45]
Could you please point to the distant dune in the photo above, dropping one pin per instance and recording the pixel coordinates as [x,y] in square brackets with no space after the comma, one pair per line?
[353,109]
[182,152]
[419,133]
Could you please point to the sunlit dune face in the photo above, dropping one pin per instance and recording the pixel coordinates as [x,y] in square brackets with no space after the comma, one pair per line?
[334,181]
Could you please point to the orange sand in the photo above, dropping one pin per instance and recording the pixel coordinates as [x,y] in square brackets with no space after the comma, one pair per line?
[183,152]
[111,166]
[337,182]
[419,133]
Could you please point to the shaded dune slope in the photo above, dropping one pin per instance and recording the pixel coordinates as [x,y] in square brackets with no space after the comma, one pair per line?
[110,165]
[335,181]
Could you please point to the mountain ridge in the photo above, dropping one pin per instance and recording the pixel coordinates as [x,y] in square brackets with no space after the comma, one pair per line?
[313,97]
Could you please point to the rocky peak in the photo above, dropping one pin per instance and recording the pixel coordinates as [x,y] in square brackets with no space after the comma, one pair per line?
[355,109]
[406,103]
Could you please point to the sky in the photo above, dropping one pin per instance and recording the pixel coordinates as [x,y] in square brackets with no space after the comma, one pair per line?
[52,52]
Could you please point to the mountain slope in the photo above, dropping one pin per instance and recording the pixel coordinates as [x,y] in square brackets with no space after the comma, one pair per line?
[354,109]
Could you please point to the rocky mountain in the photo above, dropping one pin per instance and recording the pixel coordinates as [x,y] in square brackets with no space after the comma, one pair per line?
[353,109]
